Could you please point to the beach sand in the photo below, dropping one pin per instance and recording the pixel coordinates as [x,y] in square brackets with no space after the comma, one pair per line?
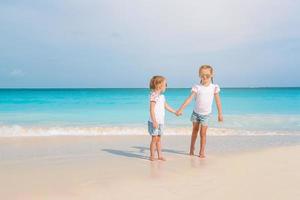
[116,167]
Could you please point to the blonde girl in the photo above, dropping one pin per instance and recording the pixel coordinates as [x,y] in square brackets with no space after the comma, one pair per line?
[158,104]
[203,93]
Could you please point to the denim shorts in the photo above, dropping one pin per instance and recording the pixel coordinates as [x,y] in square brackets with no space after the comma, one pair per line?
[155,131]
[198,118]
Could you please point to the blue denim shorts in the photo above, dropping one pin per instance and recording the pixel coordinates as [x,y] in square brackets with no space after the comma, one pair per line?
[198,118]
[155,131]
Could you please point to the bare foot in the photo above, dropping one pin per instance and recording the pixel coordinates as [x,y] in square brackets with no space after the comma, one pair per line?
[202,156]
[192,152]
[151,158]
[162,158]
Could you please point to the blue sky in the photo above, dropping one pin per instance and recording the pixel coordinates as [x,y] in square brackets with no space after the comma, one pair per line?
[117,43]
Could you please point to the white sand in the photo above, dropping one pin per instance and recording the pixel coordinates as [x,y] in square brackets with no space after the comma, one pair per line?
[114,167]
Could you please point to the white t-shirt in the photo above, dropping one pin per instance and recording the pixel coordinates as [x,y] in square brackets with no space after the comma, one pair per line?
[159,108]
[204,97]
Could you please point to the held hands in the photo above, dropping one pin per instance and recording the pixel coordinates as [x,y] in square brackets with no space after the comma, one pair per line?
[178,112]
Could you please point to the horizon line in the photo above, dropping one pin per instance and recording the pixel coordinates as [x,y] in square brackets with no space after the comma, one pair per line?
[46,88]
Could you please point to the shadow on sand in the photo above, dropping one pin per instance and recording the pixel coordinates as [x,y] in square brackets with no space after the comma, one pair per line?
[143,149]
[141,152]
[125,154]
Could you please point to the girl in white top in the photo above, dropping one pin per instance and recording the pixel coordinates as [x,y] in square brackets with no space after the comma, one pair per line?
[156,121]
[204,94]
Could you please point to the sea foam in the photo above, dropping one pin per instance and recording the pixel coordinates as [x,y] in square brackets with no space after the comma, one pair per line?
[23,131]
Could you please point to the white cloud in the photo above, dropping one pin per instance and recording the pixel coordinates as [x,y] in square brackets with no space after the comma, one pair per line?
[147,36]
[170,25]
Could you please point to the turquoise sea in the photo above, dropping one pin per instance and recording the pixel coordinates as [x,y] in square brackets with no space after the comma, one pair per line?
[27,112]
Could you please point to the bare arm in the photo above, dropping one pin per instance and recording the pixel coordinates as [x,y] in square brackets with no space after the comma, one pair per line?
[219,107]
[186,103]
[152,114]
[169,108]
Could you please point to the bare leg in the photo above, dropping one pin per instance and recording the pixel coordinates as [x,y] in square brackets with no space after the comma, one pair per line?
[202,141]
[152,147]
[194,137]
[158,147]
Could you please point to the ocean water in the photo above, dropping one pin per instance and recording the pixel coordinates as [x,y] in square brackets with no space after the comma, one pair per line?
[39,112]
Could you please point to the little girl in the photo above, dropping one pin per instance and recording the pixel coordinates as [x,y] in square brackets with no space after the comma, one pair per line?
[158,105]
[204,94]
